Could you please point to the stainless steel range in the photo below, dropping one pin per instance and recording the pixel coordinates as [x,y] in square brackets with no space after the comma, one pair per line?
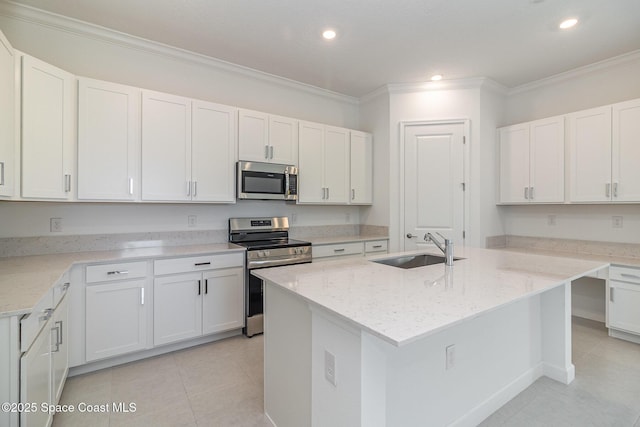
[268,245]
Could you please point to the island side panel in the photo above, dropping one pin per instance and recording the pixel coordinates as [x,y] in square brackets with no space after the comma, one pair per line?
[287,358]
[556,334]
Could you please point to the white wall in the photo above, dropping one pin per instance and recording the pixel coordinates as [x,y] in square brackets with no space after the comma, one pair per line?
[605,83]
[98,53]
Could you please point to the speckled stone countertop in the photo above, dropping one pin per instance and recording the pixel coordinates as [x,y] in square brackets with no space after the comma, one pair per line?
[614,260]
[26,279]
[401,306]
[344,239]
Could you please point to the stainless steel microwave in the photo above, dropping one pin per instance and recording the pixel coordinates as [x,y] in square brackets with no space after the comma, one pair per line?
[267,181]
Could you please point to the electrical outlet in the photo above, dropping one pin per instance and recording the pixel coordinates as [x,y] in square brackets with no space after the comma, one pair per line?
[551,220]
[451,356]
[55,225]
[330,367]
[616,221]
[192,220]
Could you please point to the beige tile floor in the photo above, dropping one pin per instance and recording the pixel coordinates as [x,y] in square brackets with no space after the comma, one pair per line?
[220,384]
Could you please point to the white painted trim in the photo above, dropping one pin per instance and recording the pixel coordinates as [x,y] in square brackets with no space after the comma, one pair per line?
[457,84]
[576,72]
[465,172]
[558,373]
[106,35]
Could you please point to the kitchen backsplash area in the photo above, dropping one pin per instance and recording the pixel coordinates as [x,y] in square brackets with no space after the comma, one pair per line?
[40,245]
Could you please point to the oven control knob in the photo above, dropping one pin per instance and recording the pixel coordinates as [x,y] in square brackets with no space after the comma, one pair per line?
[260,254]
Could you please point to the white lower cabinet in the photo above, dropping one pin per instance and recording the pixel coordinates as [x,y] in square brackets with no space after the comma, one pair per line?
[35,379]
[624,299]
[194,304]
[333,250]
[116,318]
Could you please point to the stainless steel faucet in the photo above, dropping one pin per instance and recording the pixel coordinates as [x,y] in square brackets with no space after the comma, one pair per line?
[447,250]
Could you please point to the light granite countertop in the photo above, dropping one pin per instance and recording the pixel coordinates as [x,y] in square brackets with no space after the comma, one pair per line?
[344,239]
[401,306]
[614,260]
[26,279]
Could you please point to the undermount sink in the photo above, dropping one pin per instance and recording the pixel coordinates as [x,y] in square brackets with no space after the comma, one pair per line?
[413,261]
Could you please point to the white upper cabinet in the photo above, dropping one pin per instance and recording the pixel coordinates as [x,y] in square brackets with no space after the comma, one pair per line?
[7,107]
[532,162]
[625,174]
[213,152]
[361,170]
[266,138]
[590,155]
[324,164]
[166,147]
[48,154]
[108,141]
[188,149]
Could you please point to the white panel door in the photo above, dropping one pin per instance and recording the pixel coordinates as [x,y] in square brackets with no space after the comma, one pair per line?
[223,300]
[253,136]
[361,168]
[177,308]
[47,135]
[514,163]
[35,378]
[546,176]
[166,147]
[213,152]
[283,140]
[433,176]
[116,321]
[626,152]
[624,300]
[590,155]
[311,187]
[336,165]
[7,135]
[108,140]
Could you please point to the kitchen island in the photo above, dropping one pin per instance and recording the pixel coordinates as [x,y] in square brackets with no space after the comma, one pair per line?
[357,343]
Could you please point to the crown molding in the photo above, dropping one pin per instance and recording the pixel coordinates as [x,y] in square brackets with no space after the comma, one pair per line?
[84,29]
[457,84]
[576,72]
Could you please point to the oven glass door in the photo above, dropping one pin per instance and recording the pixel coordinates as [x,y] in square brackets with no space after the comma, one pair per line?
[256,183]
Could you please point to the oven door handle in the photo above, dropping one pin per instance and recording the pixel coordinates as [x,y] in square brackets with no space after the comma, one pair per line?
[274,262]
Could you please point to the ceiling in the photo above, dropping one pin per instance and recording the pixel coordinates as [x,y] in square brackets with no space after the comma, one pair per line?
[379,41]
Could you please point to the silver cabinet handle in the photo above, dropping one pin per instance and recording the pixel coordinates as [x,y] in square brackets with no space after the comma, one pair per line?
[67,183]
[57,343]
[353,194]
[411,236]
[339,250]
[611,294]
[198,264]
[607,191]
[328,194]
[141,296]
[188,188]
[59,324]
[116,272]
[531,196]
[195,188]
[377,246]
[271,151]
[266,151]
[1,173]
[526,193]
[615,189]
[324,193]
[131,186]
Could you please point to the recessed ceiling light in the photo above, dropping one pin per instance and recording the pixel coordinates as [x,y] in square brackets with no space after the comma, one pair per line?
[568,23]
[436,77]
[329,34]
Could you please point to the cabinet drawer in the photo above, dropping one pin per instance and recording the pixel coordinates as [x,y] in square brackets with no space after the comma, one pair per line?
[31,325]
[119,271]
[324,251]
[376,246]
[625,274]
[199,263]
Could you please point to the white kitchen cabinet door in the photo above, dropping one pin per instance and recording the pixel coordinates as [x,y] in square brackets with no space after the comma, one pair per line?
[624,303]
[311,188]
[223,300]
[283,140]
[7,124]
[213,152]
[47,130]
[336,165]
[626,152]
[514,163]
[116,320]
[590,155]
[546,167]
[35,378]
[177,308]
[253,136]
[60,350]
[361,168]
[166,147]
[108,141]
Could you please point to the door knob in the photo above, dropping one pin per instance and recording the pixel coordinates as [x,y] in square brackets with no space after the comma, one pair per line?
[410,236]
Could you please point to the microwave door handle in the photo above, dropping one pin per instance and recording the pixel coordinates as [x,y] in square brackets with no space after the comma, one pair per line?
[286,183]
